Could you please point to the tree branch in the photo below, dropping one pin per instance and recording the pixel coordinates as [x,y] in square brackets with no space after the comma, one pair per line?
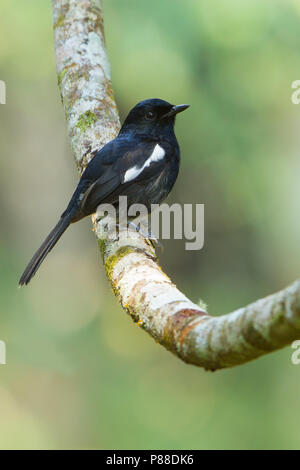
[140,285]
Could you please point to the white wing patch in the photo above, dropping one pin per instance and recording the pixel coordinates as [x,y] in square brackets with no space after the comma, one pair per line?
[132,173]
[157,155]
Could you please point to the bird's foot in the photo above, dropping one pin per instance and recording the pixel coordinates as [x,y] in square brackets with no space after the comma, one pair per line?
[147,233]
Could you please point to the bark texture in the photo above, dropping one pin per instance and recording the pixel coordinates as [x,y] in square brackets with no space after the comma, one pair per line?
[131,265]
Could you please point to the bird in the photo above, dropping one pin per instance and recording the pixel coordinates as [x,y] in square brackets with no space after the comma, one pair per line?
[142,163]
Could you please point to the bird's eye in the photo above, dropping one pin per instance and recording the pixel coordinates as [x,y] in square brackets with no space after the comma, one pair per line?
[150,115]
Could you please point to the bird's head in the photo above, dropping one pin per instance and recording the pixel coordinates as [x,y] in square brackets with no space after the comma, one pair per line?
[152,116]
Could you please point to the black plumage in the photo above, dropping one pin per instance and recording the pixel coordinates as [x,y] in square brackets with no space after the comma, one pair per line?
[142,163]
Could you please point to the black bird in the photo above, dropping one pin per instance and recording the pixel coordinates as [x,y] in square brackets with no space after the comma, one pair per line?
[142,163]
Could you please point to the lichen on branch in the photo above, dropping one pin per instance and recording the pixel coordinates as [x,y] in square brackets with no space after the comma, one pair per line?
[84,76]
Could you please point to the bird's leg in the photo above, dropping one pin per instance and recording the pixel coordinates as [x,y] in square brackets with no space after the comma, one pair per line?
[146,232]
[109,228]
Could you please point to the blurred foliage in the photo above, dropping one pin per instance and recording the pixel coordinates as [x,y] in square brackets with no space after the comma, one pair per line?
[80,374]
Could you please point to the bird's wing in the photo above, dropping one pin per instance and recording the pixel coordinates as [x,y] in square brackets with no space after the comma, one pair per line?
[117,167]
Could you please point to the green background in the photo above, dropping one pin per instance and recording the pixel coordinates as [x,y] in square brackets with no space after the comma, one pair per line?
[79,372]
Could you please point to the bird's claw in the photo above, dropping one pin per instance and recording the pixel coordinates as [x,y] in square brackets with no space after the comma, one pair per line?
[146,234]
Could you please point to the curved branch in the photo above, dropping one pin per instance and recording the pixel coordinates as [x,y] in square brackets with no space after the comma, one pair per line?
[140,285]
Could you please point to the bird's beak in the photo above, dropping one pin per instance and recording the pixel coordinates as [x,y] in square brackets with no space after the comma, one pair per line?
[176,109]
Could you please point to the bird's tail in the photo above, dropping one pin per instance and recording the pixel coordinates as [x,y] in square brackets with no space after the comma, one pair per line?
[44,249]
